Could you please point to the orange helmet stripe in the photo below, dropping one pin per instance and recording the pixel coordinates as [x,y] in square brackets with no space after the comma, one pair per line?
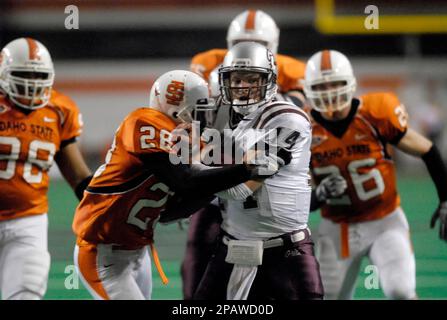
[250,22]
[326,60]
[33,49]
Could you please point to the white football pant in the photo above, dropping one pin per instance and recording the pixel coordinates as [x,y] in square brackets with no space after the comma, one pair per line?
[24,258]
[110,274]
[340,250]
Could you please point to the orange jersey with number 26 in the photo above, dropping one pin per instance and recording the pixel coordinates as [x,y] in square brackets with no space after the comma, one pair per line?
[361,157]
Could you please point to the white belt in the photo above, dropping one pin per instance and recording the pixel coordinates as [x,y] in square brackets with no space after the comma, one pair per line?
[277,242]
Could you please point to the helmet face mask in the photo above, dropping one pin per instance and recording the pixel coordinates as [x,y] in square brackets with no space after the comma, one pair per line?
[264,43]
[245,88]
[26,73]
[205,113]
[335,97]
[189,113]
[329,83]
[247,77]
[30,91]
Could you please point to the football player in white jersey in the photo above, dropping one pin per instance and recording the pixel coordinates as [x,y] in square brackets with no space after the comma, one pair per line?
[249,25]
[141,183]
[265,240]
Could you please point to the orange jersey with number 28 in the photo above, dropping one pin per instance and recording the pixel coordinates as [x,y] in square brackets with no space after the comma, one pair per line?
[124,199]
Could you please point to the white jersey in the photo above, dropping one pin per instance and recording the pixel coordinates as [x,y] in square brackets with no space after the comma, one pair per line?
[226,118]
[282,204]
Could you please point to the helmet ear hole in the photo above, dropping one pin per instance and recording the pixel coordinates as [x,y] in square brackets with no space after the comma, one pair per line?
[175,114]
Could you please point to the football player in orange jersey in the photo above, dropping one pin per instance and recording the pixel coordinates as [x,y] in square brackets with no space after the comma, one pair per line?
[137,187]
[37,126]
[257,26]
[249,25]
[350,138]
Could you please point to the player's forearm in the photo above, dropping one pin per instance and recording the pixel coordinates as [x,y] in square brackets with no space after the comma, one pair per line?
[184,180]
[438,171]
[214,180]
[315,204]
[73,167]
[181,207]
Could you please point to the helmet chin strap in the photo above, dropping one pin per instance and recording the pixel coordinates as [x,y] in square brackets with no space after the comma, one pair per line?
[30,104]
[330,111]
[248,108]
[244,107]
[243,102]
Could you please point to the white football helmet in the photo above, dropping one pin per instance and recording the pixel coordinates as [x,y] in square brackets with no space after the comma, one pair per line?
[249,58]
[179,93]
[324,68]
[254,25]
[26,73]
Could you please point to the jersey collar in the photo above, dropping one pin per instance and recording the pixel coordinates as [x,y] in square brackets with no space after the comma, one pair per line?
[337,128]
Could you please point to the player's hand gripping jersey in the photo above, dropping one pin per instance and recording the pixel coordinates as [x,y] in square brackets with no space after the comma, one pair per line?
[29,141]
[124,199]
[126,196]
[290,70]
[356,149]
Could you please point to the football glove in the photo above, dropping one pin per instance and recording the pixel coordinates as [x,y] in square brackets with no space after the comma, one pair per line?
[332,186]
[441,214]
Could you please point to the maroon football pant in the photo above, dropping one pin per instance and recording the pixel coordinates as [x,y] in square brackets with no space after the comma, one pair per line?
[203,231]
[288,272]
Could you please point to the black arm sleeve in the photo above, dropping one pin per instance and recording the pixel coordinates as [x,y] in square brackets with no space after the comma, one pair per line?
[437,170]
[186,181]
[67,142]
[79,190]
[314,203]
[180,207]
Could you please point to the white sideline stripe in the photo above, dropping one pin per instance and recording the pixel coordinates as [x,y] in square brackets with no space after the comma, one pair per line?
[159,18]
